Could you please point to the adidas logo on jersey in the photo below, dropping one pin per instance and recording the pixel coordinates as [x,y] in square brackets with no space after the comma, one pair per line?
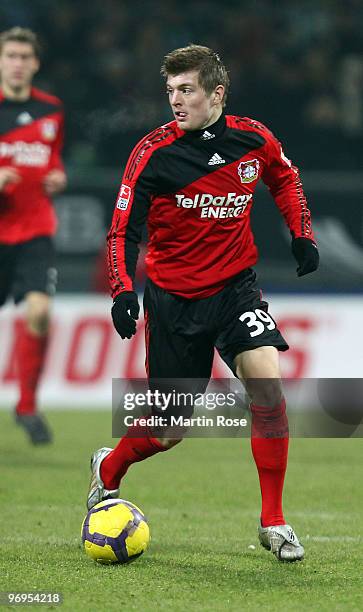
[216,159]
[207,135]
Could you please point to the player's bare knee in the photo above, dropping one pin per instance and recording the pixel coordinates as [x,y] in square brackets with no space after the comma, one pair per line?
[38,323]
[38,315]
[239,369]
[264,391]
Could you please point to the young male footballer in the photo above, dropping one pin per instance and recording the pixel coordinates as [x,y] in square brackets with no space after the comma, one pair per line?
[31,172]
[192,180]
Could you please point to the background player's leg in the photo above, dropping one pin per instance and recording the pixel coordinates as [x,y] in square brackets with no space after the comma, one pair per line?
[259,370]
[34,281]
[31,347]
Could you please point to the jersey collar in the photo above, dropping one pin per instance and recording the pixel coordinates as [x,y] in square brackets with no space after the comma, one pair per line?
[210,133]
[11,100]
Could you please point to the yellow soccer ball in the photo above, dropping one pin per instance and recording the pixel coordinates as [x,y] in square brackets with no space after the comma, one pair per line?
[115,531]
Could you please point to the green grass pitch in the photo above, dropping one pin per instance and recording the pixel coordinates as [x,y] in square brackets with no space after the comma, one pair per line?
[202,502]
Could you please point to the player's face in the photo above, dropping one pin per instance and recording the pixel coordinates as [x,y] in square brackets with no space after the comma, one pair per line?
[193,108]
[18,65]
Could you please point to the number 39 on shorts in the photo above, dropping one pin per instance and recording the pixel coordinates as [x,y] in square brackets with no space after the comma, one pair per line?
[257,320]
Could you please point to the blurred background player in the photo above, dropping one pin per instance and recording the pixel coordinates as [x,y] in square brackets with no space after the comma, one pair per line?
[31,172]
[193,180]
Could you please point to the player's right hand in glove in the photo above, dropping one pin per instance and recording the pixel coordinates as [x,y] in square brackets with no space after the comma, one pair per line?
[125,312]
[306,254]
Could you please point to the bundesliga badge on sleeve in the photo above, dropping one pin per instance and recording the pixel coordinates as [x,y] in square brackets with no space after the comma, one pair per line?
[123,197]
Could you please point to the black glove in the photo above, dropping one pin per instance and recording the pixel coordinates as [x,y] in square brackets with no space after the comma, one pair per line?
[306,254]
[124,322]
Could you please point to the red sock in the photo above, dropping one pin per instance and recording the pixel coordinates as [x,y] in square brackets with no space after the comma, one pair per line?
[270,442]
[30,357]
[136,445]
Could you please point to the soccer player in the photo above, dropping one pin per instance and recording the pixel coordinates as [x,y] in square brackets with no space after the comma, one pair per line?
[193,180]
[31,172]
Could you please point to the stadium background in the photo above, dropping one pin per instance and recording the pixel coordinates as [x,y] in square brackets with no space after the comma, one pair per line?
[298,67]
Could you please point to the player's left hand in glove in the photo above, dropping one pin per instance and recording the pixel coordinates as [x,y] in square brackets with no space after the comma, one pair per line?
[306,254]
[125,312]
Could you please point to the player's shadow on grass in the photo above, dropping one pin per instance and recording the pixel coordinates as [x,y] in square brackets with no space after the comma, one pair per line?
[222,555]
[219,569]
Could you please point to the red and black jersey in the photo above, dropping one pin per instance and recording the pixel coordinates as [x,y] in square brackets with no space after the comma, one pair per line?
[195,191]
[31,138]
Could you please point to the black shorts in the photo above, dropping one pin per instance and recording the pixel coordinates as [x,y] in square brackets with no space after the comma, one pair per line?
[27,266]
[181,334]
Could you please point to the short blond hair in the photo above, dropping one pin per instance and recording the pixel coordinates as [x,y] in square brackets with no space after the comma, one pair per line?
[22,35]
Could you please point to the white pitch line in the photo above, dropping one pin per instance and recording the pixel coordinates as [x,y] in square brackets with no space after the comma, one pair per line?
[75,541]
[332,538]
[327,516]
[35,539]
[50,508]
[324,516]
